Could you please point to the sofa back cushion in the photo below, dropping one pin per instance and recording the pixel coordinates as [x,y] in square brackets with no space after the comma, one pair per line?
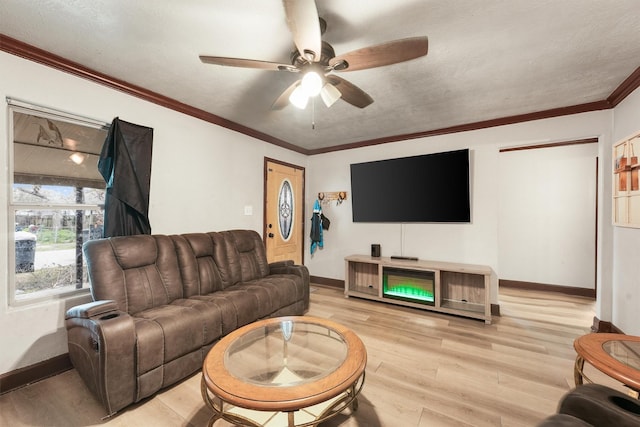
[246,257]
[198,255]
[137,272]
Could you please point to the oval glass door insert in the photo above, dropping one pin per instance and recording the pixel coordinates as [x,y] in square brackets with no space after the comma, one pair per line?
[285,209]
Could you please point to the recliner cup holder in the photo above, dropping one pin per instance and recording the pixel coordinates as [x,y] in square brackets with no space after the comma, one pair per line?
[109,316]
[625,404]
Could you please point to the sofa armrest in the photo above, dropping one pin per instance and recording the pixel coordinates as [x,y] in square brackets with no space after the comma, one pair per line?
[280,264]
[92,309]
[102,343]
[288,267]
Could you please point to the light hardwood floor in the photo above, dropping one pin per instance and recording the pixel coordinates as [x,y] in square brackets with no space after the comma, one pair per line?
[424,369]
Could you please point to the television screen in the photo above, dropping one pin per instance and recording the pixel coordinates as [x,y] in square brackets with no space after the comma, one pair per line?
[426,188]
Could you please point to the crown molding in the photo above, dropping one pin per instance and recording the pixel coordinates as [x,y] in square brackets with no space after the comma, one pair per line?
[555,112]
[41,56]
[630,84]
[32,53]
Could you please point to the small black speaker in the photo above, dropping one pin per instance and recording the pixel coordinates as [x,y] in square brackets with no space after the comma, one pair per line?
[375,250]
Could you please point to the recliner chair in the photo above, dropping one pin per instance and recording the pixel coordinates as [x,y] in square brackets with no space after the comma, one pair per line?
[597,406]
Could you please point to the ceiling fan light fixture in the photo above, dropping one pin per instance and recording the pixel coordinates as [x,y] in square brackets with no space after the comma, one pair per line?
[312,83]
[329,94]
[299,97]
[77,158]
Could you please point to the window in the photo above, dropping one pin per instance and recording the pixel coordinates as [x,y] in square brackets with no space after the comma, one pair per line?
[56,201]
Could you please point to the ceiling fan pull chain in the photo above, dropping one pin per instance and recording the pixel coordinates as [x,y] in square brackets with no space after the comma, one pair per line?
[313,113]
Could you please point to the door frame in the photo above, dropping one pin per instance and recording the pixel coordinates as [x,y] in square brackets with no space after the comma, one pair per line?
[264,200]
[567,289]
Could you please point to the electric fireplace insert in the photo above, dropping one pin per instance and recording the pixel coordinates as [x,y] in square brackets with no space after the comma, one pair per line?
[409,285]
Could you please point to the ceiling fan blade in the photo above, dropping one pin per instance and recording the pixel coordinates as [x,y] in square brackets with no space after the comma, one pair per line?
[304,24]
[247,63]
[283,99]
[382,54]
[350,92]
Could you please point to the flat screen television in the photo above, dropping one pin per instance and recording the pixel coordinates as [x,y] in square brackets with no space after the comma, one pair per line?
[425,188]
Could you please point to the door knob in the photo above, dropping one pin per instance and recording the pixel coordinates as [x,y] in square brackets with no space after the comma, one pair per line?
[270,235]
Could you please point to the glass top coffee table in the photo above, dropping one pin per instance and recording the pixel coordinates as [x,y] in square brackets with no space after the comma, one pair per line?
[286,371]
[616,355]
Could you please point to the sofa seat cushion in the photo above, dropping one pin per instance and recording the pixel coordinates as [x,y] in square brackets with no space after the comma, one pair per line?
[290,287]
[211,316]
[243,305]
[281,291]
[265,296]
[228,311]
[170,331]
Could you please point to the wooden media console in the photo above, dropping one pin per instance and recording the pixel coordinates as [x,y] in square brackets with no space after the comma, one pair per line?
[460,289]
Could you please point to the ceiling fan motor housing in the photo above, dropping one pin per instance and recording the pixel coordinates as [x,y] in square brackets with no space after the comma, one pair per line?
[297,60]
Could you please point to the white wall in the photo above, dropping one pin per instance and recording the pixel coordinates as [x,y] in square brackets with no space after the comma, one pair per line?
[475,243]
[202,177]
[547,217]
[626,241]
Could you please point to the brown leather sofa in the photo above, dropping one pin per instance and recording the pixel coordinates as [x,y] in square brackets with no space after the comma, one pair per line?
[161,302]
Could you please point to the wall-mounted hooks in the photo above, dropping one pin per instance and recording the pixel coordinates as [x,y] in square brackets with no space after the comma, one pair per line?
[338,196]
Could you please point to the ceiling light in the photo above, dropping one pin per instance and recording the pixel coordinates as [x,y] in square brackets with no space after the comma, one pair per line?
[312,83]
[329,94]
[299,97]
[77,158]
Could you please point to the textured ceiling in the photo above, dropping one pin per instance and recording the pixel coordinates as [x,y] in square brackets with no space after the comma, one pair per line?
[487,59]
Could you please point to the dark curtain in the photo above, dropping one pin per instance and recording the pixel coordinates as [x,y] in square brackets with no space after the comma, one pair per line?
[125,165]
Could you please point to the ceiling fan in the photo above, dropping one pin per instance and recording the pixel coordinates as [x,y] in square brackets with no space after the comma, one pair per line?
[316,61]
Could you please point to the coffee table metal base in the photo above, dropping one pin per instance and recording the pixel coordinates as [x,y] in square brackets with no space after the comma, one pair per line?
[305,417]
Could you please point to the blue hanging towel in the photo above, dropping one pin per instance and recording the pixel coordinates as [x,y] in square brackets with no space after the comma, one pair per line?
[316,228]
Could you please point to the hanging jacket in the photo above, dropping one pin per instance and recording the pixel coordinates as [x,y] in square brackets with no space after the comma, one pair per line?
[316,228]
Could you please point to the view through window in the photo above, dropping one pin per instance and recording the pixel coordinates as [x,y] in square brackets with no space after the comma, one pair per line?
[57,201]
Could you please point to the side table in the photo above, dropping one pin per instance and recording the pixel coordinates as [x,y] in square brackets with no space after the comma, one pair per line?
[616,355]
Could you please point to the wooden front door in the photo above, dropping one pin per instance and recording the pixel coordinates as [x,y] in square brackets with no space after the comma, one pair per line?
[284,211]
